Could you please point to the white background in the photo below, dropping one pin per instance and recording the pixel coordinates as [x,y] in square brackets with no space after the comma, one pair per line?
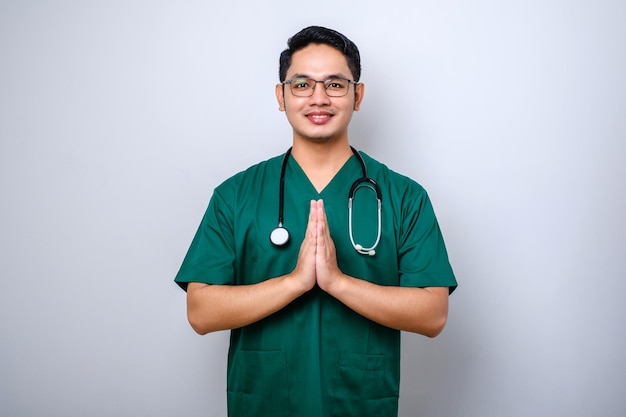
[118,118]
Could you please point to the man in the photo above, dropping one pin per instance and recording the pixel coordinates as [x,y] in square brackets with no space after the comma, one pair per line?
[315,322]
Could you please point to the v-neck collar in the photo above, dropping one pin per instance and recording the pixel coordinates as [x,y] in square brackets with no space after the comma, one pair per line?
[349,171]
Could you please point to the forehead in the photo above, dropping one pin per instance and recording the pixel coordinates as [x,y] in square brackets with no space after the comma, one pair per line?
[319,60]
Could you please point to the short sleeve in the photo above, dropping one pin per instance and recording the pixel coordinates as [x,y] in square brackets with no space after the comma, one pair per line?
[422,255]
[211,256]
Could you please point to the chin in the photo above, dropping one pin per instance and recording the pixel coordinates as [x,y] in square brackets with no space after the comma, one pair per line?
[321,137]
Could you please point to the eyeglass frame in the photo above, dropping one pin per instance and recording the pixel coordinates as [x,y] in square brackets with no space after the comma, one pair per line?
[290,81]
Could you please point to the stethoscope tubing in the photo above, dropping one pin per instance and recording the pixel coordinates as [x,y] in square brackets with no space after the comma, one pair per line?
[358,247]
[280,235]
[281,191]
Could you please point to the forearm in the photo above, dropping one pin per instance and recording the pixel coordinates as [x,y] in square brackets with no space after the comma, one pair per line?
[220,307]
[417,310]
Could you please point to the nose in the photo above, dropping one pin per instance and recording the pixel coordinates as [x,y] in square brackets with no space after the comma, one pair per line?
[319,93]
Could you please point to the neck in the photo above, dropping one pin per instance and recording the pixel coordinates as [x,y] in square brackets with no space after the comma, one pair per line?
[321,161]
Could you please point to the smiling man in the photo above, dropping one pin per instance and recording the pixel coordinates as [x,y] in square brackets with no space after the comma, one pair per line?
[316,305]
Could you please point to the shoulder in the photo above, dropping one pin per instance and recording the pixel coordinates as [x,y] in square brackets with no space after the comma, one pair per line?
[388,178]
[251,177]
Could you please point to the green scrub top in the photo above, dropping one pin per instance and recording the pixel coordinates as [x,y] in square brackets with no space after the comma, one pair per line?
[316,357]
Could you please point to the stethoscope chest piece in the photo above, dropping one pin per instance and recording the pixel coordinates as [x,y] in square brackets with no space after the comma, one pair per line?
[279,236]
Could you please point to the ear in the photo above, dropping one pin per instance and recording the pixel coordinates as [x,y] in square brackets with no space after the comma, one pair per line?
[359,91]
[280,97]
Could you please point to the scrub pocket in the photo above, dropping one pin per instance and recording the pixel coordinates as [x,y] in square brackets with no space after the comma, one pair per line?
[361,388]
[259,385]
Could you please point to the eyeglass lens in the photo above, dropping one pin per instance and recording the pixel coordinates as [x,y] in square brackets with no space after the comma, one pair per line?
[304,87]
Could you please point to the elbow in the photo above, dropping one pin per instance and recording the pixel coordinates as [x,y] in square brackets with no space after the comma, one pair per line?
[199,316]
[436,318]
[199,324]
[199,330]
[435,327]
[435,330]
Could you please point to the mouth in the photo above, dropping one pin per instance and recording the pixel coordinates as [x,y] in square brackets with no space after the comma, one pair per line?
[318,117]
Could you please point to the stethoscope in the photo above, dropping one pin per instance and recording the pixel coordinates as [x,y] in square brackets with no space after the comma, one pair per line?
[280,235]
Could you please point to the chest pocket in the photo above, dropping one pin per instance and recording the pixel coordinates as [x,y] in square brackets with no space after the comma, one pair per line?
[363,388]
[258,386]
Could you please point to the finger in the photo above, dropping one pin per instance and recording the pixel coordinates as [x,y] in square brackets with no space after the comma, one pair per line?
[305,265]
[325,257]
[310,234]
[322,220]
[324,240]
[321,212]
[312,225]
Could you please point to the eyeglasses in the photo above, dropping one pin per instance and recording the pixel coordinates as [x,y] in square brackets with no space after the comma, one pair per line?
[304,87]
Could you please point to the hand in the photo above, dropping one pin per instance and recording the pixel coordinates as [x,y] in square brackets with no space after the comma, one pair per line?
[304,271]
[326,269]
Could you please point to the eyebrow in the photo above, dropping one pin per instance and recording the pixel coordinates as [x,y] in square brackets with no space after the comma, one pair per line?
[339,75]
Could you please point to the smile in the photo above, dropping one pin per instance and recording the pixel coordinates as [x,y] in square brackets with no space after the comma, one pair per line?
[319,118]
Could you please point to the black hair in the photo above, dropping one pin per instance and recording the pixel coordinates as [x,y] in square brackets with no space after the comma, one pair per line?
[321,35]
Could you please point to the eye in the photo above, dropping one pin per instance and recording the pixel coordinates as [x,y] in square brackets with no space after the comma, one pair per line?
[300,83]
[336,84]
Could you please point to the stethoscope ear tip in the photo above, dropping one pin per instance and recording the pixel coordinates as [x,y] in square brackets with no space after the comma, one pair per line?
[359,248]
